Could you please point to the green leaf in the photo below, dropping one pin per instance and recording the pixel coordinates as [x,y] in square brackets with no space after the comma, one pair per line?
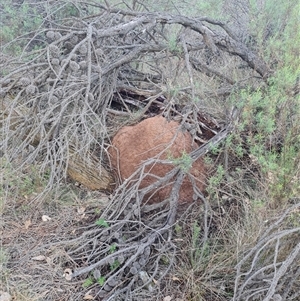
[101,222]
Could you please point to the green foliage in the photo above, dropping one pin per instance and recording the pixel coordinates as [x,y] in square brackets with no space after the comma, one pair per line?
[17,21]
[112,248]
[214,149]
[258,204]
[20,22]
[173,45]
[200,253]
[164,259]
[269,117]
[97,210]
[294,219]
[213,8]
[196,249]
[284,178]
[68,10]
[115,265]
[216,179]
[189,8]
[270,114]
[88,282]
[273,141]
[184,162]
[101,222]
[239,150]
[101,280]
[272,23]
[178,230]
[172,92]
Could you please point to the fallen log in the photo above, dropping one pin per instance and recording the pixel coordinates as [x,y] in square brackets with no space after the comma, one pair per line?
[89,172]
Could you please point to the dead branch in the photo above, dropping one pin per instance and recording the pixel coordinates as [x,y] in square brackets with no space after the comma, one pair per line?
[264,278]
[86,171]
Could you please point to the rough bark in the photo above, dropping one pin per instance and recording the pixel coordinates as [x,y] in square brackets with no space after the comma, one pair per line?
[89,173]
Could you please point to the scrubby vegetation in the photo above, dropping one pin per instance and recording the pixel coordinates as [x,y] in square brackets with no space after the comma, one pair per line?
[73,73]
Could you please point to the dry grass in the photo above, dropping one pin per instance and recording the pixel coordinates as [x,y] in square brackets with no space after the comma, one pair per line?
[223,248]
[25,236]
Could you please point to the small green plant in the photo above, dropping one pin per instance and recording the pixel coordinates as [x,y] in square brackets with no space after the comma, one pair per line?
[214,149]
[112,248]
[184,162]
[178,229]
[196,250]
[173,44]
[101,222]
[258,204]
[216,179]
[88,282]
[101,280]
[27,186]
[171,90]
[114,265]
[25,183]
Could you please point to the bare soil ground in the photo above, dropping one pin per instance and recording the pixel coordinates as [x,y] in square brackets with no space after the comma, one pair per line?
[34,234]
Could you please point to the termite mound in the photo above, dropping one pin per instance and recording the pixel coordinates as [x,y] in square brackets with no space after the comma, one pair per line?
[160,139]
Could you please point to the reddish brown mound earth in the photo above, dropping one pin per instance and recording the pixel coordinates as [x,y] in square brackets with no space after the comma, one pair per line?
[155,138]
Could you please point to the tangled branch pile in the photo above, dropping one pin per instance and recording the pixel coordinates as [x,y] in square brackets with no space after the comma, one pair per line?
[78,81]
[66,98]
